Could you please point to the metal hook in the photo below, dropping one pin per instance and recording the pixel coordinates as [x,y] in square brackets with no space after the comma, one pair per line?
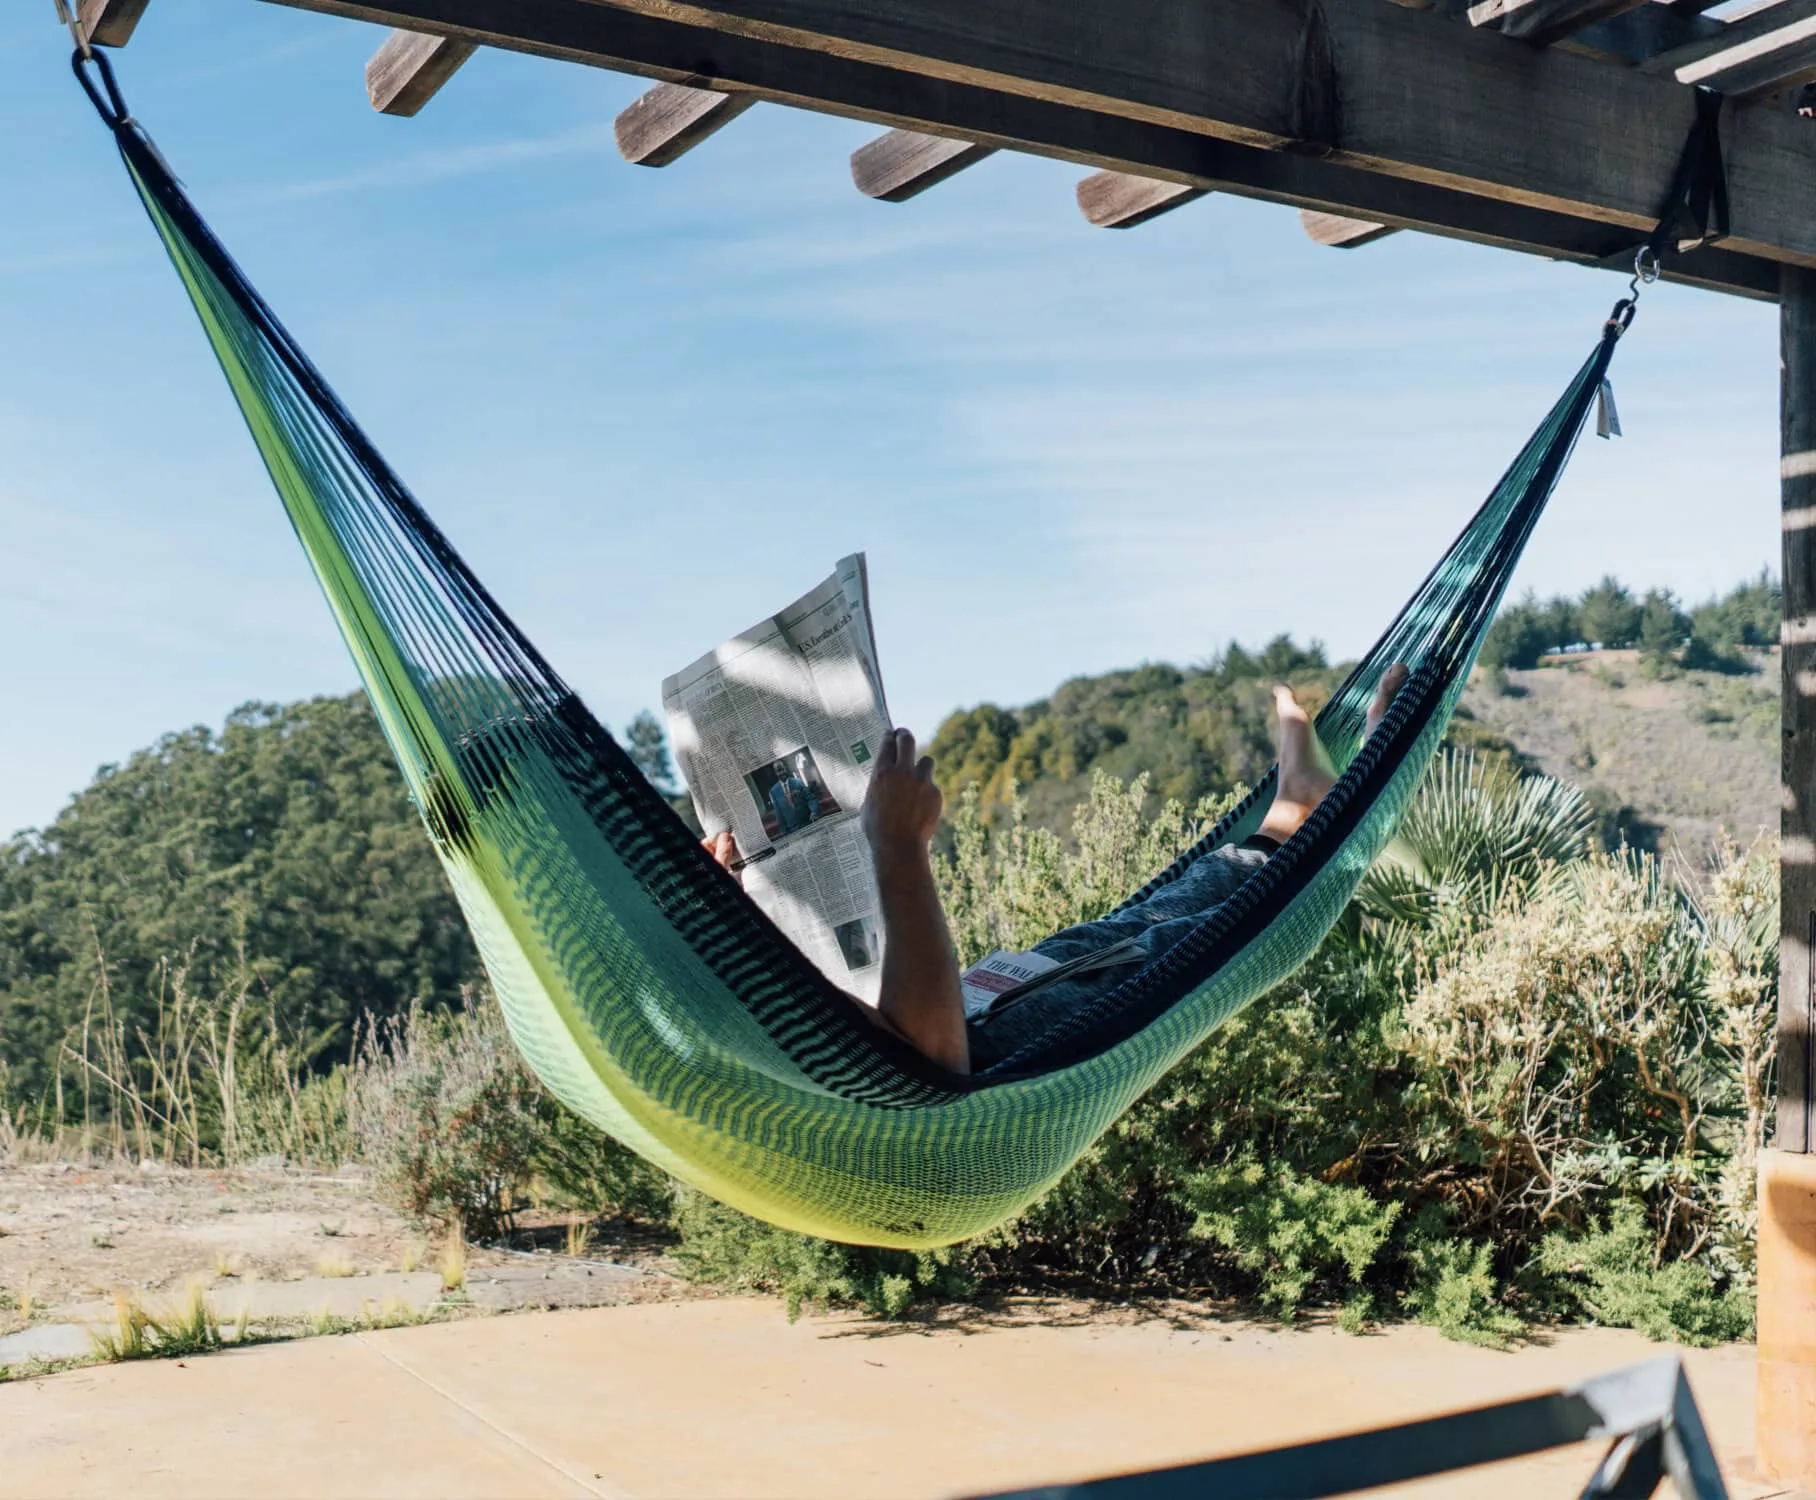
[1645,271]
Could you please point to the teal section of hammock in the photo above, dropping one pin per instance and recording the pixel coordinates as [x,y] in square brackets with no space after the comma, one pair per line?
[635,1027]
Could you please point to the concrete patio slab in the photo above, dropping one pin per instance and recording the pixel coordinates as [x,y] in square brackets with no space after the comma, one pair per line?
[726,1399]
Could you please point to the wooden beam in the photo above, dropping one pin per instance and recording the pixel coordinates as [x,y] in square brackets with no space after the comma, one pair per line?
[1750,27]
[1633,36]
[902,164]
[1120,200]
[671,119]
[1776,51]
[1797,667]
[1418,99]
[409,69]
[1545,21]
[1341,233]
[1404,154]
[110,23]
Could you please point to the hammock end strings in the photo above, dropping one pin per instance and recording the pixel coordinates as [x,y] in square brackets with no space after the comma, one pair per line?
[96,75]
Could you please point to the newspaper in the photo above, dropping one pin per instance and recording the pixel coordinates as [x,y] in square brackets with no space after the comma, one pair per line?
[993,984]
[775,733]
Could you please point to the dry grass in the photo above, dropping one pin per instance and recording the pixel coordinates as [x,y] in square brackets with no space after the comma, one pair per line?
[129,1337]
[391,1313]
[207,1079]
[137,1333]
[1686,755]
[579,1237]
[334,1264]
[412,1256]
[453,1263]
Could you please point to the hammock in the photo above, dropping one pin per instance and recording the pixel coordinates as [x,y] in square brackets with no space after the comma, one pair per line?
[643,987]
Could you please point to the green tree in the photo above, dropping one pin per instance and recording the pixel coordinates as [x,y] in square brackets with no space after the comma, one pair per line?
[647,745]
[1517,639]
[1726,628]
[1194,731]
[284,839]
[1662,627]
[1609,615]
[1560,622]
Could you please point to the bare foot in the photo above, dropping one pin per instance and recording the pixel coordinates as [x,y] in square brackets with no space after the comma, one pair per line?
[1306,772]
[1392,680]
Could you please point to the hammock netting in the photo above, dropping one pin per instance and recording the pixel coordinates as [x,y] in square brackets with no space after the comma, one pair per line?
[643,987]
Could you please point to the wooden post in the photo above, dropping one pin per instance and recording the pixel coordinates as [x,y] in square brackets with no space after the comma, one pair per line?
[1787,1174]
[1797,471]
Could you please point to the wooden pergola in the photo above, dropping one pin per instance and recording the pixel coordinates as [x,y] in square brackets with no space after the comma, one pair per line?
[1552,127]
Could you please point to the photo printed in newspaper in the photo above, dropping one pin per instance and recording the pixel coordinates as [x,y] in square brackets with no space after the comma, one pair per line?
[775,733]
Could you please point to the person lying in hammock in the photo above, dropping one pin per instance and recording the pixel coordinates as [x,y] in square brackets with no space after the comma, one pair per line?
[922,1001]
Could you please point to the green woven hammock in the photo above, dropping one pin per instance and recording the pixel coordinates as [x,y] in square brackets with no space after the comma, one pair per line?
[643,987]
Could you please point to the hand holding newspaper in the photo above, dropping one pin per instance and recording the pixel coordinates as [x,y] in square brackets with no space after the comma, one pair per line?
[775,732]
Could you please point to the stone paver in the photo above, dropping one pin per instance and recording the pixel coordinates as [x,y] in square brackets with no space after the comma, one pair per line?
[726,1399]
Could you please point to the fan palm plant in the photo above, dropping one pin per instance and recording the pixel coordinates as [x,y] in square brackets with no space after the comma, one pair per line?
[1477,831]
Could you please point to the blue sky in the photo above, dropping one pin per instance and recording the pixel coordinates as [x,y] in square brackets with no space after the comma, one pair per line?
[653,406]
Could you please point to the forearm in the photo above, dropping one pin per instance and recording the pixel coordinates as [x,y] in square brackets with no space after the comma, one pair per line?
[920,997]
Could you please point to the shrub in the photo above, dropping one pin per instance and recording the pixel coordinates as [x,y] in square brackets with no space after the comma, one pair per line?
[458,1128]
[726,1248]
[1455,1289]
[1562,1044]
[1290,1232]
[1612,1273]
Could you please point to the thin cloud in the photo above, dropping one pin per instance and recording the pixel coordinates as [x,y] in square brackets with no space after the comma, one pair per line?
[440,166]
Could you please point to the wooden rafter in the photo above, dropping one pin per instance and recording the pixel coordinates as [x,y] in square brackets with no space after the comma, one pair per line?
[1749,27]
[1633,36]
[901,164]
[1340,233]
[1545,21]
[1765,52]
[671,119]
[110,23]
[409,69]
[1121,200]
[1426,121]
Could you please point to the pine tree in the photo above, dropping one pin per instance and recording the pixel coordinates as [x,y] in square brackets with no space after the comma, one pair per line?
[647,745]
[1609,615]
[1662,627]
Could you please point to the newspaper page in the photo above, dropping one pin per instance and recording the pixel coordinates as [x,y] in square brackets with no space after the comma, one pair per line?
[775,733]
[993,984]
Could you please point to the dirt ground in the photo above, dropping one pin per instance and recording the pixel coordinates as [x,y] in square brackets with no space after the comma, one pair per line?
[72,1234]
[1690,756]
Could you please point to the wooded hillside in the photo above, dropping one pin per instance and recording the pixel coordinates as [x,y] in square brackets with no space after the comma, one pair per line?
[281,852]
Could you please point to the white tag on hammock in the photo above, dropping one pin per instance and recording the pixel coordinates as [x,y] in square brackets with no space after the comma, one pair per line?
[1607,419]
